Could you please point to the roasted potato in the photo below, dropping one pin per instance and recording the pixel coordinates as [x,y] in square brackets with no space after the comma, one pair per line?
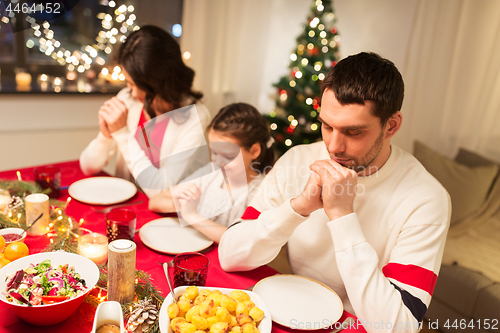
[200,322]
[185,327]
[223,315]
[191,292]
[184,304]
[195,310]
[172,310]
[256,314]
[220,327]
[240,296]
[228,302]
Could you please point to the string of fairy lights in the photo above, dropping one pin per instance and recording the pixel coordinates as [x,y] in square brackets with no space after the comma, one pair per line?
[321,27]
[115,27]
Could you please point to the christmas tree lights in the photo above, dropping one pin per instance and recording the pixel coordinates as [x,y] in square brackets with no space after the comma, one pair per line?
[293,120]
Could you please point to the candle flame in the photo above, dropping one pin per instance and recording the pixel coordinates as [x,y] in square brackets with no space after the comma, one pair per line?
[81,221]
[68,200]
[51,241]
[19,175]
[19,215]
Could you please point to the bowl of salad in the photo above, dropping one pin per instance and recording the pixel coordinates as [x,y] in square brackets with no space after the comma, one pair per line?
[46,288]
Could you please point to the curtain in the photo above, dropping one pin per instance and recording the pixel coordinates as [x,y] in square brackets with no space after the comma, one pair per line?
[240,48]
[452,76]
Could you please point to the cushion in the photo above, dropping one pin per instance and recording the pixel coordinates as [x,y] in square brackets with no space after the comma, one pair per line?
[459,288]
[488,304]
[468,187]
[472,159]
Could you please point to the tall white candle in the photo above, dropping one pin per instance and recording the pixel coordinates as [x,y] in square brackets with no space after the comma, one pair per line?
[4,199]
[37,204]
[95,247]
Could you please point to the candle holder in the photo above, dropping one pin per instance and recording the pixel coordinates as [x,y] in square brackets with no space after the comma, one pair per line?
[94,246]
[37,204]
[120,224]
[121,271]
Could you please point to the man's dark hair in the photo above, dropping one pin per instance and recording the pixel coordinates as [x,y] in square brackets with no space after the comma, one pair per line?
[367,77]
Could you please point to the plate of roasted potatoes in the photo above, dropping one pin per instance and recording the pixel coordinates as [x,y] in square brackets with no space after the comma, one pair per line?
[214,310]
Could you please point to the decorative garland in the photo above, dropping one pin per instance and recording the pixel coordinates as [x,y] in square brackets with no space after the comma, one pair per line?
[64,233]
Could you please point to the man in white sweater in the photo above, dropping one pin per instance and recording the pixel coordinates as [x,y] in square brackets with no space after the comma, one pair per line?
[361,216]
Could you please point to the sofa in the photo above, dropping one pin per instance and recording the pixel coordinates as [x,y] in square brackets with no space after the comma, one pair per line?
[467,293]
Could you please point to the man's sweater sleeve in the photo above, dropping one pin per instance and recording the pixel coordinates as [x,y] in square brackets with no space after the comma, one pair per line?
[396,296]
[251,244]
[266,225]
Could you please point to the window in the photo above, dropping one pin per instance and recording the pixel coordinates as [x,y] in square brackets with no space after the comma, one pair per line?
[64,46]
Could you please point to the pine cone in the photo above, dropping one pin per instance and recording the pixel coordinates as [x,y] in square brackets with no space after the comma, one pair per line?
[14,203]
[143,315]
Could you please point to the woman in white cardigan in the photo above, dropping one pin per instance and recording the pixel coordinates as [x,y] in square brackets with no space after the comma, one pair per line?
[158,82]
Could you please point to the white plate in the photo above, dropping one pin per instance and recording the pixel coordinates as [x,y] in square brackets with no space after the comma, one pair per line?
[299,302]
[166,235]
[264,326]
[102,190]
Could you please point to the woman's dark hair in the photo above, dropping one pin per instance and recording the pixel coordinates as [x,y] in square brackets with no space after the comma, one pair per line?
[367,77]
[153,59]
[244,123]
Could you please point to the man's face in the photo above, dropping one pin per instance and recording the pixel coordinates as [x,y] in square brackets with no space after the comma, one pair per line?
[353,136]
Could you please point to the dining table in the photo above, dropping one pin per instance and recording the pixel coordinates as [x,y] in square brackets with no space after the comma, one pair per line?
[147,260]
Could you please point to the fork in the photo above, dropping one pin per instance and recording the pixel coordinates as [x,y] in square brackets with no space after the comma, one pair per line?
[108,209]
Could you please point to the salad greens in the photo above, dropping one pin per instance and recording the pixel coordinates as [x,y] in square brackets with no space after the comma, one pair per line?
[43,284]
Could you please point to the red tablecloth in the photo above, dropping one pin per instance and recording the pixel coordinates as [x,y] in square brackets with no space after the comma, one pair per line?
[147,260]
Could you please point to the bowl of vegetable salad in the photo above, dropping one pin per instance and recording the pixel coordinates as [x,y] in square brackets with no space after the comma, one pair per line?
[46,288]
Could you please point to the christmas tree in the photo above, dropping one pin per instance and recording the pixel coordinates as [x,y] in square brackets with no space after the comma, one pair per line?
[294,118]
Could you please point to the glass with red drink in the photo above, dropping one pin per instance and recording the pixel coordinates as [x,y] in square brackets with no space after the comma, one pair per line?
[190,269]
[120,224]
[49,177]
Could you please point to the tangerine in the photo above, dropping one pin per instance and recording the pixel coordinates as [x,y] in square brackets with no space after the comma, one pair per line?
[16,250]
[2,243]
[3,262]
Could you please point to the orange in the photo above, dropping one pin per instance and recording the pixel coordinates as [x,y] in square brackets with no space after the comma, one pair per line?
[3,262]
[2,243]
[16,250]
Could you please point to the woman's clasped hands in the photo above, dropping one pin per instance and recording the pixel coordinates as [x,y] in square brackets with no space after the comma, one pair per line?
[112,116]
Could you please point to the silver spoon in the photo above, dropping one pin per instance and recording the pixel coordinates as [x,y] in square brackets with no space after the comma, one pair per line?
[39,217]
[165,268]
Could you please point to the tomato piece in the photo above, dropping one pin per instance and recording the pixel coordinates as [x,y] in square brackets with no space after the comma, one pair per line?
[53,299]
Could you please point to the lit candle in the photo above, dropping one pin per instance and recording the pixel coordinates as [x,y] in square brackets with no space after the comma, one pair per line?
[94,246]
[23,79]
[37,204]
[4,198]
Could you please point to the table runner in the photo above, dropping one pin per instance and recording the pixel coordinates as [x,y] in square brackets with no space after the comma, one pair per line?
[147,259]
